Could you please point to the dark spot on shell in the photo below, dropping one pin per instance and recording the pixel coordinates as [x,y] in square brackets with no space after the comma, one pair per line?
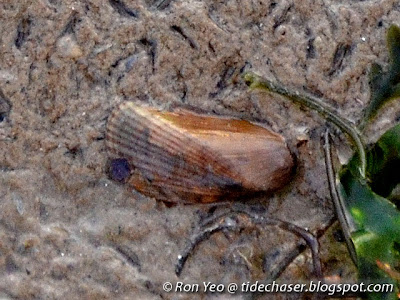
[119,169]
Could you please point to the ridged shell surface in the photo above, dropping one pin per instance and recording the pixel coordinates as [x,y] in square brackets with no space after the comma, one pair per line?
[185,157]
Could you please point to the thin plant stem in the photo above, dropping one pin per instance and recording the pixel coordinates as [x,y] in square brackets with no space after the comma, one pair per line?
[226,221]
[255,81]
[342,212]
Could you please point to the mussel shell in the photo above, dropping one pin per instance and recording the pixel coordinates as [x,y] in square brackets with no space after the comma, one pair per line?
[184,157]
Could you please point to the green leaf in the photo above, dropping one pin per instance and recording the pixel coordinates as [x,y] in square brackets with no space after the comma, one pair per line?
[377,220]
[383,163]
[375,75]
[393,42]
[378,233]
[384,86]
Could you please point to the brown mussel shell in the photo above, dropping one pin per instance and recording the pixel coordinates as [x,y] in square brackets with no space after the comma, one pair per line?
[184,157]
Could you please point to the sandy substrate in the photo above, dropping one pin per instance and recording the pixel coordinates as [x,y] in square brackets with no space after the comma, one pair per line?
[68,231]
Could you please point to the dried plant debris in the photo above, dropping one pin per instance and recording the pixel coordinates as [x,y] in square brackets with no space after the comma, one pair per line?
[159,4]
[342,51]
[5,107]
[121,8]
[150,46]
[182,33]
[23,32]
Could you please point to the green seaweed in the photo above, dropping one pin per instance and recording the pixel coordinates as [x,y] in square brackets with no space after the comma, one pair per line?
[361,197]
[377,220]
[385,86]
[383,163]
